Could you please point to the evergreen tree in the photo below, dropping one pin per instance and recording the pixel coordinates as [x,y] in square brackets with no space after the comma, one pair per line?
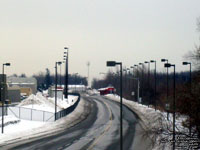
[48,80]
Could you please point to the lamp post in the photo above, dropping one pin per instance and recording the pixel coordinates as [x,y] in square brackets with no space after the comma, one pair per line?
[166,60]
[2,95]
[88,64]
[125,79]
[154,61]
[66,71]
[189,63]
[128,84]
[56,82]
[138,84]
[133,81]
[147,62]
[138,97]
[137,69]
[60,64]
[133,69]
[167,65]
[138,87]
[111,64]
[142,80]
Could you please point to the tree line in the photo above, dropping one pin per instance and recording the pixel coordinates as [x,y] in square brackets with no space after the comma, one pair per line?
[45,80]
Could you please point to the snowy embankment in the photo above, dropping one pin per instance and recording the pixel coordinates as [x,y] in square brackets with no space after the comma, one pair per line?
[154,123]
[40,102]
[18,129]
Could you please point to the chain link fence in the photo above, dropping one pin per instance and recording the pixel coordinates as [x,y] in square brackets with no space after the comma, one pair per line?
[39,115]
[31,114]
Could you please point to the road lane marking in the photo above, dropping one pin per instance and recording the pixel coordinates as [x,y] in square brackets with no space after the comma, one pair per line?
[95,142]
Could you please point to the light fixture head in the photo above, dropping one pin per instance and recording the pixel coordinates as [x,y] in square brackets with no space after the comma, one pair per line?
[7,64]
[163,60]
[186,63]
[59,63]
[110,63]
[167,65]
[152,61]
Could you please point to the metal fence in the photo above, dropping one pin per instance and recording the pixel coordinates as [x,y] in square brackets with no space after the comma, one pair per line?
[31,114]
[68,110]
[39,115]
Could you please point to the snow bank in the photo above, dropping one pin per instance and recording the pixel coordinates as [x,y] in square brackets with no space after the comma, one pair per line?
[154,121]
[17,126]
[9,120]
[41,102]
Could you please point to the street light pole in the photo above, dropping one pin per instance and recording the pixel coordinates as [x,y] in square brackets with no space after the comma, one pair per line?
[189,63]
[128,84]
[148,81]
[88,64]
[66,72]
[60,64]
[138,87]
[2,96]
[137,69]
[55,90]
[174,102]
[155,98]
[110,64]
[138,93]
[166,60]
[133,81]
[142,81]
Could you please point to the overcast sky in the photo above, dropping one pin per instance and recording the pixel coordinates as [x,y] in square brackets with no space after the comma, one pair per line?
[33,33]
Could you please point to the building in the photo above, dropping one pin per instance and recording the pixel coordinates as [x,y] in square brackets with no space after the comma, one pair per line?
[51,92]
[3,87]
[25,91]
[27,85]
[107,90]
[14,94]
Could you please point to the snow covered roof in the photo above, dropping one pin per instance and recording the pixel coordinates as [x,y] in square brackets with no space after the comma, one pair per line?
[21,80]
[102,89]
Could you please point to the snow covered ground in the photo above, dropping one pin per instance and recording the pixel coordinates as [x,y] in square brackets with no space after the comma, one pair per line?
[153,120]
[15,127]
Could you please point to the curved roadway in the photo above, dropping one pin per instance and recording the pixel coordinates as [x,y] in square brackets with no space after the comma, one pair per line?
[99,131]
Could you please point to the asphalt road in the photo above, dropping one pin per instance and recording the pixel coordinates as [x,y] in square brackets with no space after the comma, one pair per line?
[99,131]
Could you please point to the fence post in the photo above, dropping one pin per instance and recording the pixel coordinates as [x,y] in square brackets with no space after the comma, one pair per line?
[43,116]
[31,114]
[19,113]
